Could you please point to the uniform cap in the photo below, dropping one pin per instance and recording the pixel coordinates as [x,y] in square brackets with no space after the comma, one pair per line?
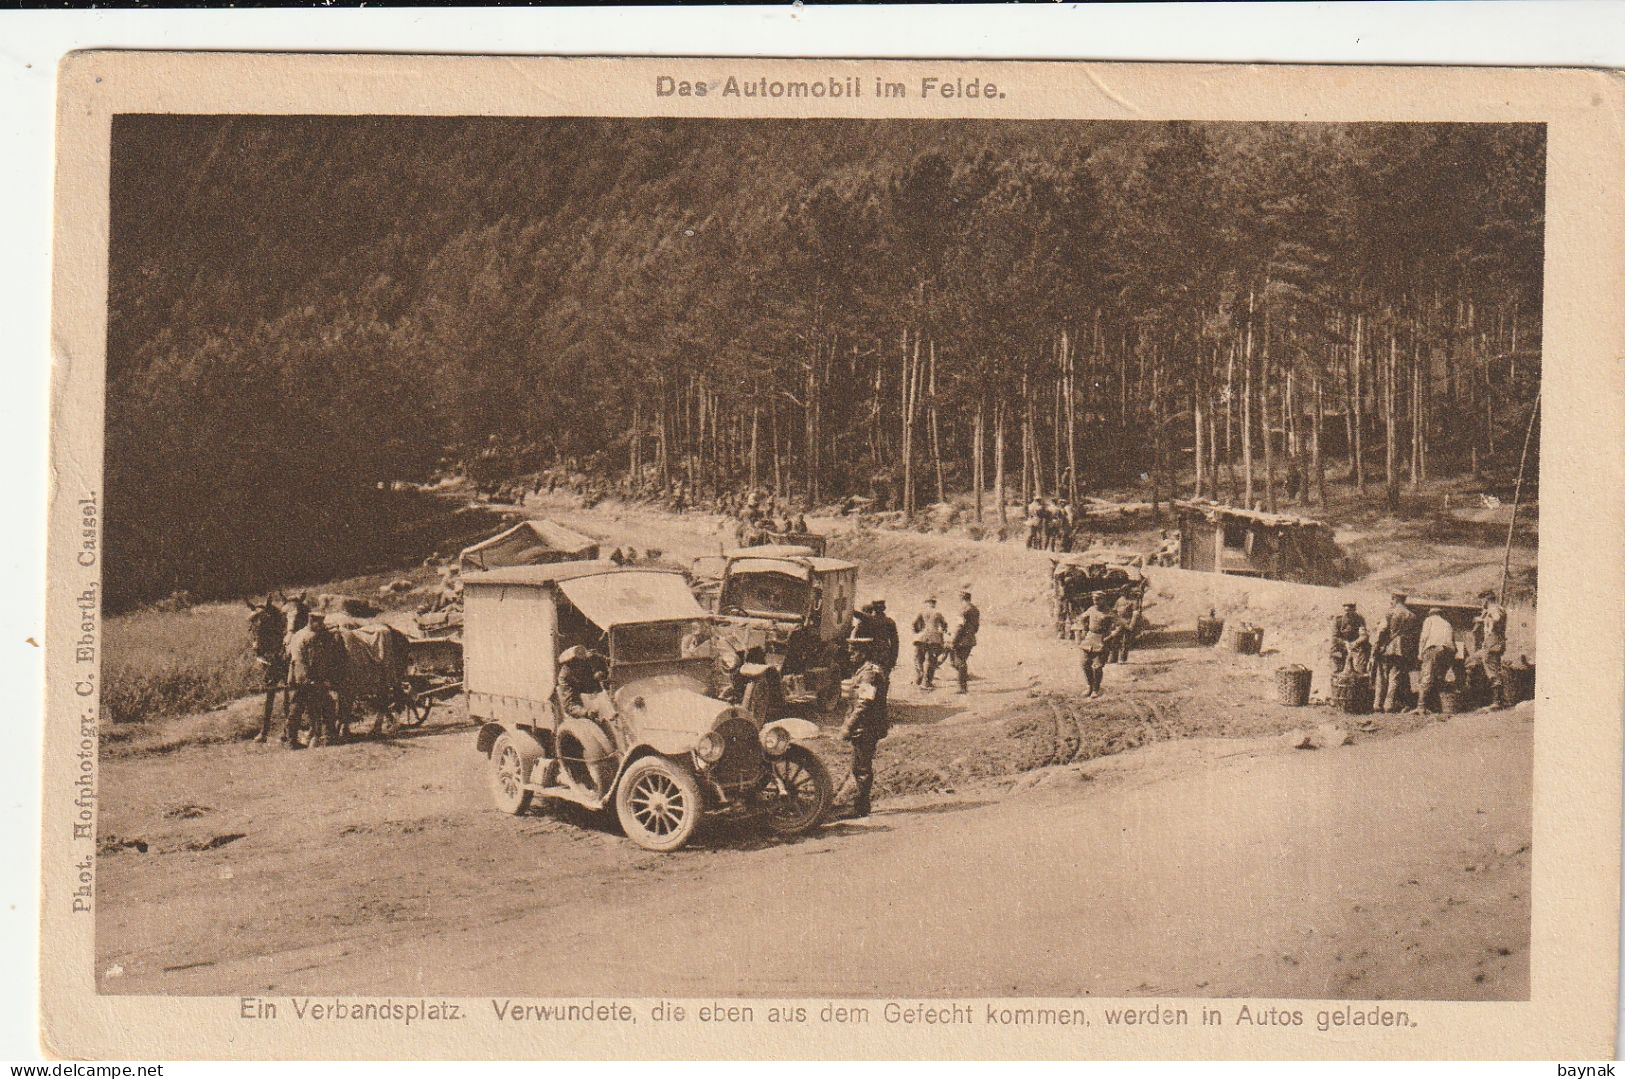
[573,653]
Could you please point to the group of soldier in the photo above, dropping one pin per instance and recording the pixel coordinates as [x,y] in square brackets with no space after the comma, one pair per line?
[760,515]
[873,650]
[1408,643]
[1052,525]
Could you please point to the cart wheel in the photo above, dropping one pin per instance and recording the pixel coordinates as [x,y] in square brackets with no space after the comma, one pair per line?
[416,712]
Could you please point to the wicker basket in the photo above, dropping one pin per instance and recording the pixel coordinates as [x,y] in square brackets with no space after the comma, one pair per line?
[1351,692]
[1243,639]
[1208,630]
[1292,685]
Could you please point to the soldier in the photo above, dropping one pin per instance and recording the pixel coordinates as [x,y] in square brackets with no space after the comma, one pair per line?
[582,673]
[1035,523]
[877,624]
[1097,627]
[1351,644]
[1438,644]
[967,625]
[1490,631]
[930,632]
[866,722]
[1396,649]
[315,670]
[1123,613]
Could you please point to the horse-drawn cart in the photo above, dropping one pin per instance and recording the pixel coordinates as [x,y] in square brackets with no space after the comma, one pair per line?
[1113,572]
[434,673]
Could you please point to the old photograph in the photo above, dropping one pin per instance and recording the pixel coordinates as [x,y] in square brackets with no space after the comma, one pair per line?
[817,566]
[820,556]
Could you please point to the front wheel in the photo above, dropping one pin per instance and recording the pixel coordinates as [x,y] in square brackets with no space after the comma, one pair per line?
[798,792]
[659,804]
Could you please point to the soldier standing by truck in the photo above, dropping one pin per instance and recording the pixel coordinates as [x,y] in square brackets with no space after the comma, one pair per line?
[866,720]
[878,625]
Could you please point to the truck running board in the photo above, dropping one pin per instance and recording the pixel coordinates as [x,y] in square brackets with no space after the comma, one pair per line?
[567,794]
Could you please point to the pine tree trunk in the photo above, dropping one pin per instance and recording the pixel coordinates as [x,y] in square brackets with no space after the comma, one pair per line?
[978,466]
[936,439]
[1247,409]
[998,459]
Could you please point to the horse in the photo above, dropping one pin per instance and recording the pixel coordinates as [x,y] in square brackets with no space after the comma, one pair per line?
[268,639]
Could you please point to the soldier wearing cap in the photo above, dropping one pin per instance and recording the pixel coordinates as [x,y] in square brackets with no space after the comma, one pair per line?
[1351,643]
[930,634]
[1098,629]
[581,673]
[875,623]
[1396,651]
[866,721]
[1490,631]
[967,624]
[315,671]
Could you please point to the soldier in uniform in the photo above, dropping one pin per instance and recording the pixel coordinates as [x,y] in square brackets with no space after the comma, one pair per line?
[1396,652]
[1490,629]
[930,634]
[582,673]
[1351,643]
[866,721]
[315,670]
[963,639]
[877,624]
[1097,628]
[1035,524]
[1123,612]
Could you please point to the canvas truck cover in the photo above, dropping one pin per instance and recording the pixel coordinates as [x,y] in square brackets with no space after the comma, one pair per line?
[632,596]
[528,543]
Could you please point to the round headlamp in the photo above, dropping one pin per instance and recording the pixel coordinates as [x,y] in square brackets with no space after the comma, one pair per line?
[710,747]
[775,740]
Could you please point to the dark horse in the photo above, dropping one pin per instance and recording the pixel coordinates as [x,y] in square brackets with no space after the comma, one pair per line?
[268,629]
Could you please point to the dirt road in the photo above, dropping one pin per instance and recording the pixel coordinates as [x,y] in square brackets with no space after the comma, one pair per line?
[1397,868]
[1023,845]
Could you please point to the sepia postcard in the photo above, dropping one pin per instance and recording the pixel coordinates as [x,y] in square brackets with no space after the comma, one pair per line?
[604,558]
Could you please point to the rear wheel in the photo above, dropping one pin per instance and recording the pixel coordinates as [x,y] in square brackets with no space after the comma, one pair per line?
[798,792]
[510,771]
[659,804]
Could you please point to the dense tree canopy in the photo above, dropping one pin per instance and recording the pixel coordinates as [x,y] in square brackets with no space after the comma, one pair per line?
[303,307]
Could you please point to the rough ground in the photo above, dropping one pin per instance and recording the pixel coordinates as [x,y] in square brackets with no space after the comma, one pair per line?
[1164,840]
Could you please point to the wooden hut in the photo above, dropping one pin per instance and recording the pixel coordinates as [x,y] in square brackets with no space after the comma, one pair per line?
[1214,538]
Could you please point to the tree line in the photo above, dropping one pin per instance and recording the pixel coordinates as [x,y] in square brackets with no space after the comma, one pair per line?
[302,309]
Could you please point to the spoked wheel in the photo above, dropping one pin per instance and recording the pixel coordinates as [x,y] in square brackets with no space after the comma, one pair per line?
[659,804]
[798,792]
[510,771]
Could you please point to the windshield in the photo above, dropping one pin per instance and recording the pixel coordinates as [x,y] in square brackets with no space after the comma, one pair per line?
[663,642]
[765,595]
